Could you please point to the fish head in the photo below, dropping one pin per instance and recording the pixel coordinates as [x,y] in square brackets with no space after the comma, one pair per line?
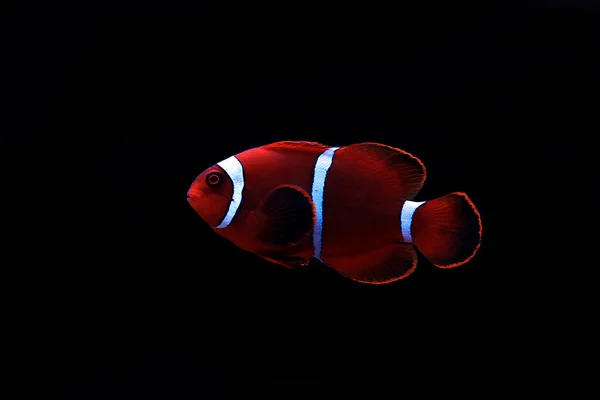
[211,194]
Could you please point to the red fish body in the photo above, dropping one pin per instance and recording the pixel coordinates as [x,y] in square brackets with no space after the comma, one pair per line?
[350,207]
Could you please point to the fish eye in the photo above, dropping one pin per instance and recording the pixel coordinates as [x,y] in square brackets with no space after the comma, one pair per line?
[213,179]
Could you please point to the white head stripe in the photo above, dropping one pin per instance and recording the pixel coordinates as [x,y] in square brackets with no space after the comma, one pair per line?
[234,169]
[321,167]
[408,210]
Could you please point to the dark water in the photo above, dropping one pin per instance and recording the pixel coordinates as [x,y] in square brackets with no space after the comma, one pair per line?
[116,289]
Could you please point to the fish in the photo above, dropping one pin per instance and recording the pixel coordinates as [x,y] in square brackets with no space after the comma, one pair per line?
[352,208]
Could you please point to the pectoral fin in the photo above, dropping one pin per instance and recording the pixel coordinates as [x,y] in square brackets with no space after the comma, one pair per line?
[285,216]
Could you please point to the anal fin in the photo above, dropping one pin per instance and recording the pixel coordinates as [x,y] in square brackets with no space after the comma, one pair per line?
[290,262]
[285,216]
[384,265]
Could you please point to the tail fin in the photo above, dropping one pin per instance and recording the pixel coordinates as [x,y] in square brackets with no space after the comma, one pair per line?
[446,230]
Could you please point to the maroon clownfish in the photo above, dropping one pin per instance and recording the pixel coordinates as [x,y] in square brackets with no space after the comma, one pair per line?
[349,207]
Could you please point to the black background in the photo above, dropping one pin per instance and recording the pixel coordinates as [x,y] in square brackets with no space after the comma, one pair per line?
[117,289]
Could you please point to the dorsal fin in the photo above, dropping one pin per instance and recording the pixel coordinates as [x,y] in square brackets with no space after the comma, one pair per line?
[407,171]
[297,145]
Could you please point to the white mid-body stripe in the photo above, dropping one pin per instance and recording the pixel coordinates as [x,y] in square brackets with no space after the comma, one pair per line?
[406,216]
[320,174]
[233,167]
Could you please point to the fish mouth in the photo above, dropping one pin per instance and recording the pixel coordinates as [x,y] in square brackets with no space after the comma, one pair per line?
[192,194]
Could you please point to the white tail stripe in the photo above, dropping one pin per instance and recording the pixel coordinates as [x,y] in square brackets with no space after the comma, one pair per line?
[233,167]
[320,174]
[406,216]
